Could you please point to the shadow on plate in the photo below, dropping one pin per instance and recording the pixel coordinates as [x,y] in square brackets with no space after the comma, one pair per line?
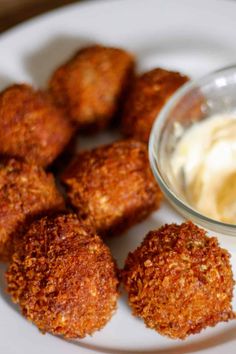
[3,286]
[210,342]
[41,64]
[132,238]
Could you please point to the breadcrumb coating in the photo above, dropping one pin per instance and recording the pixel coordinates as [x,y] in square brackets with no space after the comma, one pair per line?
[179,281]
[26,191]
[113,185]
[91,84]
[146,98]
[63,277]
[31,127]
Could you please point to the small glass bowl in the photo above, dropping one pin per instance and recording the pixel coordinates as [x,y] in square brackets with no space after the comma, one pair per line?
[195,101]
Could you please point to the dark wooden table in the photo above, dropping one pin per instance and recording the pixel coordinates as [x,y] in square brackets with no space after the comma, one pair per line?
[13,12]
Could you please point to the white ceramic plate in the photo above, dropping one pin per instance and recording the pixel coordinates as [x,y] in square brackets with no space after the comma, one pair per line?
[193,36]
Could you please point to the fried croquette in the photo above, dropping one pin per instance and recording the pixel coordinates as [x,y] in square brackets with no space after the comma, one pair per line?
[63,277]
[26,191]
[146,98]
[179,281]
[31,127]
[91,84]
[113,185]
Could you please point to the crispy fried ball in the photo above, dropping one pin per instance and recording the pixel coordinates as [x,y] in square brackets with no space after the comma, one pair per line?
[90,85]
[179,281]
[63,277]
[31,127]
[146,98]
[113,185]
[26,191]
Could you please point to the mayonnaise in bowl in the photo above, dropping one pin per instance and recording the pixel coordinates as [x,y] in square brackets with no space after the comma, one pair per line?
[204,161]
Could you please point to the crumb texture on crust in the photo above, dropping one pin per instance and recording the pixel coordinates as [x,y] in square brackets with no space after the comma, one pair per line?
[91,84]
[26,191]
[113,185]
[179,281]
[63,277]
[31,127]
[146,98]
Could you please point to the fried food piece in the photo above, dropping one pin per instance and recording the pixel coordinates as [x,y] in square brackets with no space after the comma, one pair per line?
[26,191]
[31,127]
[113,185]
[179,281]
[90,85]
[146,98]
[63,277]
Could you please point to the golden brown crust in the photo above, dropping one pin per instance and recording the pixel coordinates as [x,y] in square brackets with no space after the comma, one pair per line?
[146,98]
[113,185]
[179,281]
[90,85]
[63,277]
[25,192]
[31,127]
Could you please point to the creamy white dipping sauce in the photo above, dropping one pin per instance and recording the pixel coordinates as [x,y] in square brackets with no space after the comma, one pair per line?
[204,161]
